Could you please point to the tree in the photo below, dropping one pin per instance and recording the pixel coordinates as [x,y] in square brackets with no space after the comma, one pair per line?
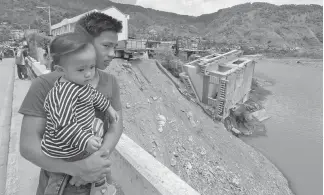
[5,34]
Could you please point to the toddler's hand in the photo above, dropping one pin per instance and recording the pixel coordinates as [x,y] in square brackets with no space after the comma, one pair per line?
[93,144]
[113,114]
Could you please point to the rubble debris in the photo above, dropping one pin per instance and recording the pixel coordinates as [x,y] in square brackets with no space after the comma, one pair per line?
[203,151]
[155,144]
[220,168]
[161,122]
[128,105]
[155,98]
[188,166]
[172,121]
[127,65]
[190,117]
[235,181]
[260,115]
[175,154]
[173,162]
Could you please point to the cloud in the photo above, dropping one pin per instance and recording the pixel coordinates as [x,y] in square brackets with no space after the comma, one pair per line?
[198,7]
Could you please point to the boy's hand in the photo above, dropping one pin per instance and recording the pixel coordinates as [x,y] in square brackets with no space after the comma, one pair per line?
[92,168]
[113,114]
[93,144]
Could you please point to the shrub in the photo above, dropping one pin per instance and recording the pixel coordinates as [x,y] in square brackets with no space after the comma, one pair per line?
[36,41]
[169,61]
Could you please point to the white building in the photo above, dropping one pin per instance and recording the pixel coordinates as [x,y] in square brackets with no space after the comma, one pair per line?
[116,13]
[68,24]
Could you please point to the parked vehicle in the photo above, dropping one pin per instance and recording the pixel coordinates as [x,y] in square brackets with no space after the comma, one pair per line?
[130,48]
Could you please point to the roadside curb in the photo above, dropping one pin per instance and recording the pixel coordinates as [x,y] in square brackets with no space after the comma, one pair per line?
[5,126]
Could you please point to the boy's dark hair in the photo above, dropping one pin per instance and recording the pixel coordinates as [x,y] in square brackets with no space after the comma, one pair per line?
[67,44]
[95,23]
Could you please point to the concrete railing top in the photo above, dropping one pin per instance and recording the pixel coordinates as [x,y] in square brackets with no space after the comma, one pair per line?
[37,67]
[145,174]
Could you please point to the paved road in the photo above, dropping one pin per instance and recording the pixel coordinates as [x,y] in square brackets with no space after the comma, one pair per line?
[22,176]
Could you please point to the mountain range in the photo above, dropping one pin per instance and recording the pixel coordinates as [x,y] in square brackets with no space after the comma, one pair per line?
[251,24]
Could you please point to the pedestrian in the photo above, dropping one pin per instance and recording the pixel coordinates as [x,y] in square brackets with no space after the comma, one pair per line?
[103,31]
[28,66]
[21,62]
[1,55]
[70,135]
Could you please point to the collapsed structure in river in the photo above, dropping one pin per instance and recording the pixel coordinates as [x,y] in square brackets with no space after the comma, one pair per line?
[222,83]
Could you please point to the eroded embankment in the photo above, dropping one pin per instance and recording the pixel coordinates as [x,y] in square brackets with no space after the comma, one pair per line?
[181,136]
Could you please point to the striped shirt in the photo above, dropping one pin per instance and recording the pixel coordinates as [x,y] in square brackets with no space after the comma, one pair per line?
[70,111]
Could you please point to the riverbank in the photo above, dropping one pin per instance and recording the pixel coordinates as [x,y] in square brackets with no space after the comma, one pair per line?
[182,137]
[294,132]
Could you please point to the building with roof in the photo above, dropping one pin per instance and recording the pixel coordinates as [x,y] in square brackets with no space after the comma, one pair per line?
[67,24]
[116,13]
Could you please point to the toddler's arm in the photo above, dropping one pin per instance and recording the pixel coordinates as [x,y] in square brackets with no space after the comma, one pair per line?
[103,104]
[100,101]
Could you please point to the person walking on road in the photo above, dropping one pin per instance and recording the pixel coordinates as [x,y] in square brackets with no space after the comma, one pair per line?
[1,55]
[20,62]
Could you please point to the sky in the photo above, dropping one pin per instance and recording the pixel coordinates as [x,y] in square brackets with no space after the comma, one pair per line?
[199,7]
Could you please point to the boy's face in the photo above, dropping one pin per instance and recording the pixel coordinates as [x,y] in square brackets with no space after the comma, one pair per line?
[105,45]
[80,67]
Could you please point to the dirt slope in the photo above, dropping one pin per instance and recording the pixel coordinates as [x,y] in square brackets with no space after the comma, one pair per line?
[197,149]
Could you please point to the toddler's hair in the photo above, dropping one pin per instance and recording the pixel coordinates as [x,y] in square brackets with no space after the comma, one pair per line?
[66,44]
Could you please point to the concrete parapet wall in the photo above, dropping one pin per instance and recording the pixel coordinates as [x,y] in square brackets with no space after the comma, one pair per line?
[5,123]
[135,170]
[37,67]
[140,173]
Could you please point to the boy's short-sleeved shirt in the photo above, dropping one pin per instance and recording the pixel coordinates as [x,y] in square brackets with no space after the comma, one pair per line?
[33,104]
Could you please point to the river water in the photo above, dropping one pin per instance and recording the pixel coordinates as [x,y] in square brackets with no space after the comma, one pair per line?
[295,130]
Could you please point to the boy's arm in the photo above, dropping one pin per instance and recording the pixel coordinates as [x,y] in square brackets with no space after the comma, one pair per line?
[115,129]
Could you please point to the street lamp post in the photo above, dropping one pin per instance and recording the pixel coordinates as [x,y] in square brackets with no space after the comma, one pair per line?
[49,16]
